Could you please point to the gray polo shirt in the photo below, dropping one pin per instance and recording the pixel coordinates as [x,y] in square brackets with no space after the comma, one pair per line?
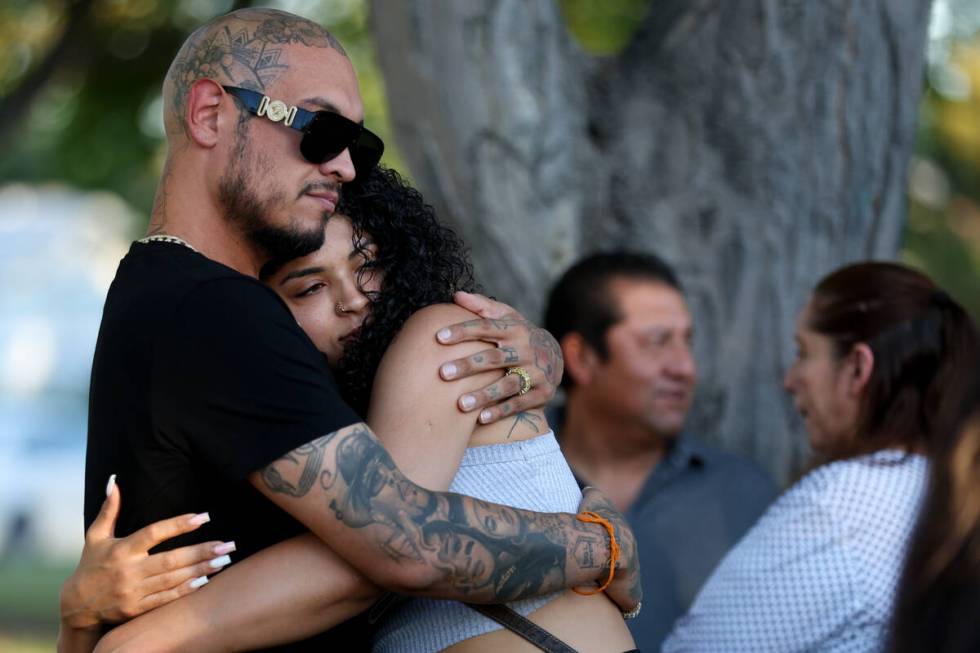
[695,505]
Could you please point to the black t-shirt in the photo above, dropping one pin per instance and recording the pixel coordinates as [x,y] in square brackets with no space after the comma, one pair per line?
[201,376]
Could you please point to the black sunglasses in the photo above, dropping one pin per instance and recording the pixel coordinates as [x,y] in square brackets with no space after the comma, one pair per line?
[325,134]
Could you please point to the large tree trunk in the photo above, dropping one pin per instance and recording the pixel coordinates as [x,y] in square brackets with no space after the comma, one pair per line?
[754,144]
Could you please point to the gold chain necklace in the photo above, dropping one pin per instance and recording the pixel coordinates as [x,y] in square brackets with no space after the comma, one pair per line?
[165,238]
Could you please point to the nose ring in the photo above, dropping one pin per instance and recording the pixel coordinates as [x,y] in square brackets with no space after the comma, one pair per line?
[340,308]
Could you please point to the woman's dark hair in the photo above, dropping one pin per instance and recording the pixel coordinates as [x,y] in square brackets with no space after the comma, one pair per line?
[423,263]
[923,343]
[939,597]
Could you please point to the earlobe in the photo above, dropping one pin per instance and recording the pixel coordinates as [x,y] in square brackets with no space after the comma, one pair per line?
[204,112]
[580,359]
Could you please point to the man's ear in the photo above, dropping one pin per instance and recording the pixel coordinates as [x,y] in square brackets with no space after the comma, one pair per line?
[861,362]
[203,112]
[581,360]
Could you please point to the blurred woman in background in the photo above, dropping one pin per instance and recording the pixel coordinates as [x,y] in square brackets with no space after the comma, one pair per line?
[938,607]
[883,356]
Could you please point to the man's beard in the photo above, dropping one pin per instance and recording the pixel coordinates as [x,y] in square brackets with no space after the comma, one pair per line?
[243,208]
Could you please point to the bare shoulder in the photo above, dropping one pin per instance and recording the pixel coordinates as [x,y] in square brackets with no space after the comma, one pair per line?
[419,332]
[414,356]
[413,411]
[438,316]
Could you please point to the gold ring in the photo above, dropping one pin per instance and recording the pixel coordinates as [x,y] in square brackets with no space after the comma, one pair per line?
[525,379]
[340,309]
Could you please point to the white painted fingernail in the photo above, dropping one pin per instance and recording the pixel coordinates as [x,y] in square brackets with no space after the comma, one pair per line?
[485,417]
[220,562]
[449,370]
[467,402]
[443,335]
[223,548]
[110,486]
[199,581]
[198,519]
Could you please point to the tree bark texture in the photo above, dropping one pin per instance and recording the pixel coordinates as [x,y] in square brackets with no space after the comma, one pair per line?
[753,144]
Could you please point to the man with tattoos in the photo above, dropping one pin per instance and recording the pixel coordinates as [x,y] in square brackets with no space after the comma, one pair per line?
[626,332]
[206,394]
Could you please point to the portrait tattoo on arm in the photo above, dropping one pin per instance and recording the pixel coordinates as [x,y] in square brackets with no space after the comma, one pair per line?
[485,552]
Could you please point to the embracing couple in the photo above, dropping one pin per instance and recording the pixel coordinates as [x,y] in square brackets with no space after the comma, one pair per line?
[214,399]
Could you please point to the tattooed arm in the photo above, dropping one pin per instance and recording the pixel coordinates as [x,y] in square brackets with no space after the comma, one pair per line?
[306,589]
[348,490]
[345,487]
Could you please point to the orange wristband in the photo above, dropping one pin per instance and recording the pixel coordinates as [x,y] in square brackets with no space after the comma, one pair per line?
[593,518]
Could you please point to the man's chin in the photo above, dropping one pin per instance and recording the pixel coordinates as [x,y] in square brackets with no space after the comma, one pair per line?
[669,428]
[286,244]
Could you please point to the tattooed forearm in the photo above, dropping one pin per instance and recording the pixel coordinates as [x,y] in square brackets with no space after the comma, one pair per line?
[296,472]
[601,505]
[483,551]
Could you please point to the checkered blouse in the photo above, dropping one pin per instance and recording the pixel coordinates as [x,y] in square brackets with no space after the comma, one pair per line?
[820,569]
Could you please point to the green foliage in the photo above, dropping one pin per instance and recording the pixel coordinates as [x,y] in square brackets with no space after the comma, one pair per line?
[604,27]
[87,125]
[96,123]
[27,643]
[951,259]
[29,596]
[943,233]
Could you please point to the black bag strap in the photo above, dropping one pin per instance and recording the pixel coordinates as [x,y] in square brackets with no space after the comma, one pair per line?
[524,627]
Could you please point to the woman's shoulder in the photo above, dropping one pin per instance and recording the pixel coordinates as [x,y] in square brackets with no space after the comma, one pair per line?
[418,334]
[440,315]
[884,462]
[423,325]
[871,468]
[865,487]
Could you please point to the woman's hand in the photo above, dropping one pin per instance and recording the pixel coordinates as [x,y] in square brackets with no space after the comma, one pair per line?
[117,579]
[625,590]
[518,344]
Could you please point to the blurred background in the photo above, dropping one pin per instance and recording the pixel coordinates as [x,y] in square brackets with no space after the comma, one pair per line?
[82,141]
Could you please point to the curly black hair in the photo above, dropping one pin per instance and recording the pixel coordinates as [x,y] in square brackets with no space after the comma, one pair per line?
[422,261]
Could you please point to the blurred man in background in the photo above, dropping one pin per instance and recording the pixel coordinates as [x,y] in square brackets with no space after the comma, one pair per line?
[625,333]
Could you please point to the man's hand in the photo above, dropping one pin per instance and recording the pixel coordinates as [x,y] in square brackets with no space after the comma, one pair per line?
[117,579]
[625,590]
[519,344]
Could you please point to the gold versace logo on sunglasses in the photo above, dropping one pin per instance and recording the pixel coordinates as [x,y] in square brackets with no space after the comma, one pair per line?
[276,110]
